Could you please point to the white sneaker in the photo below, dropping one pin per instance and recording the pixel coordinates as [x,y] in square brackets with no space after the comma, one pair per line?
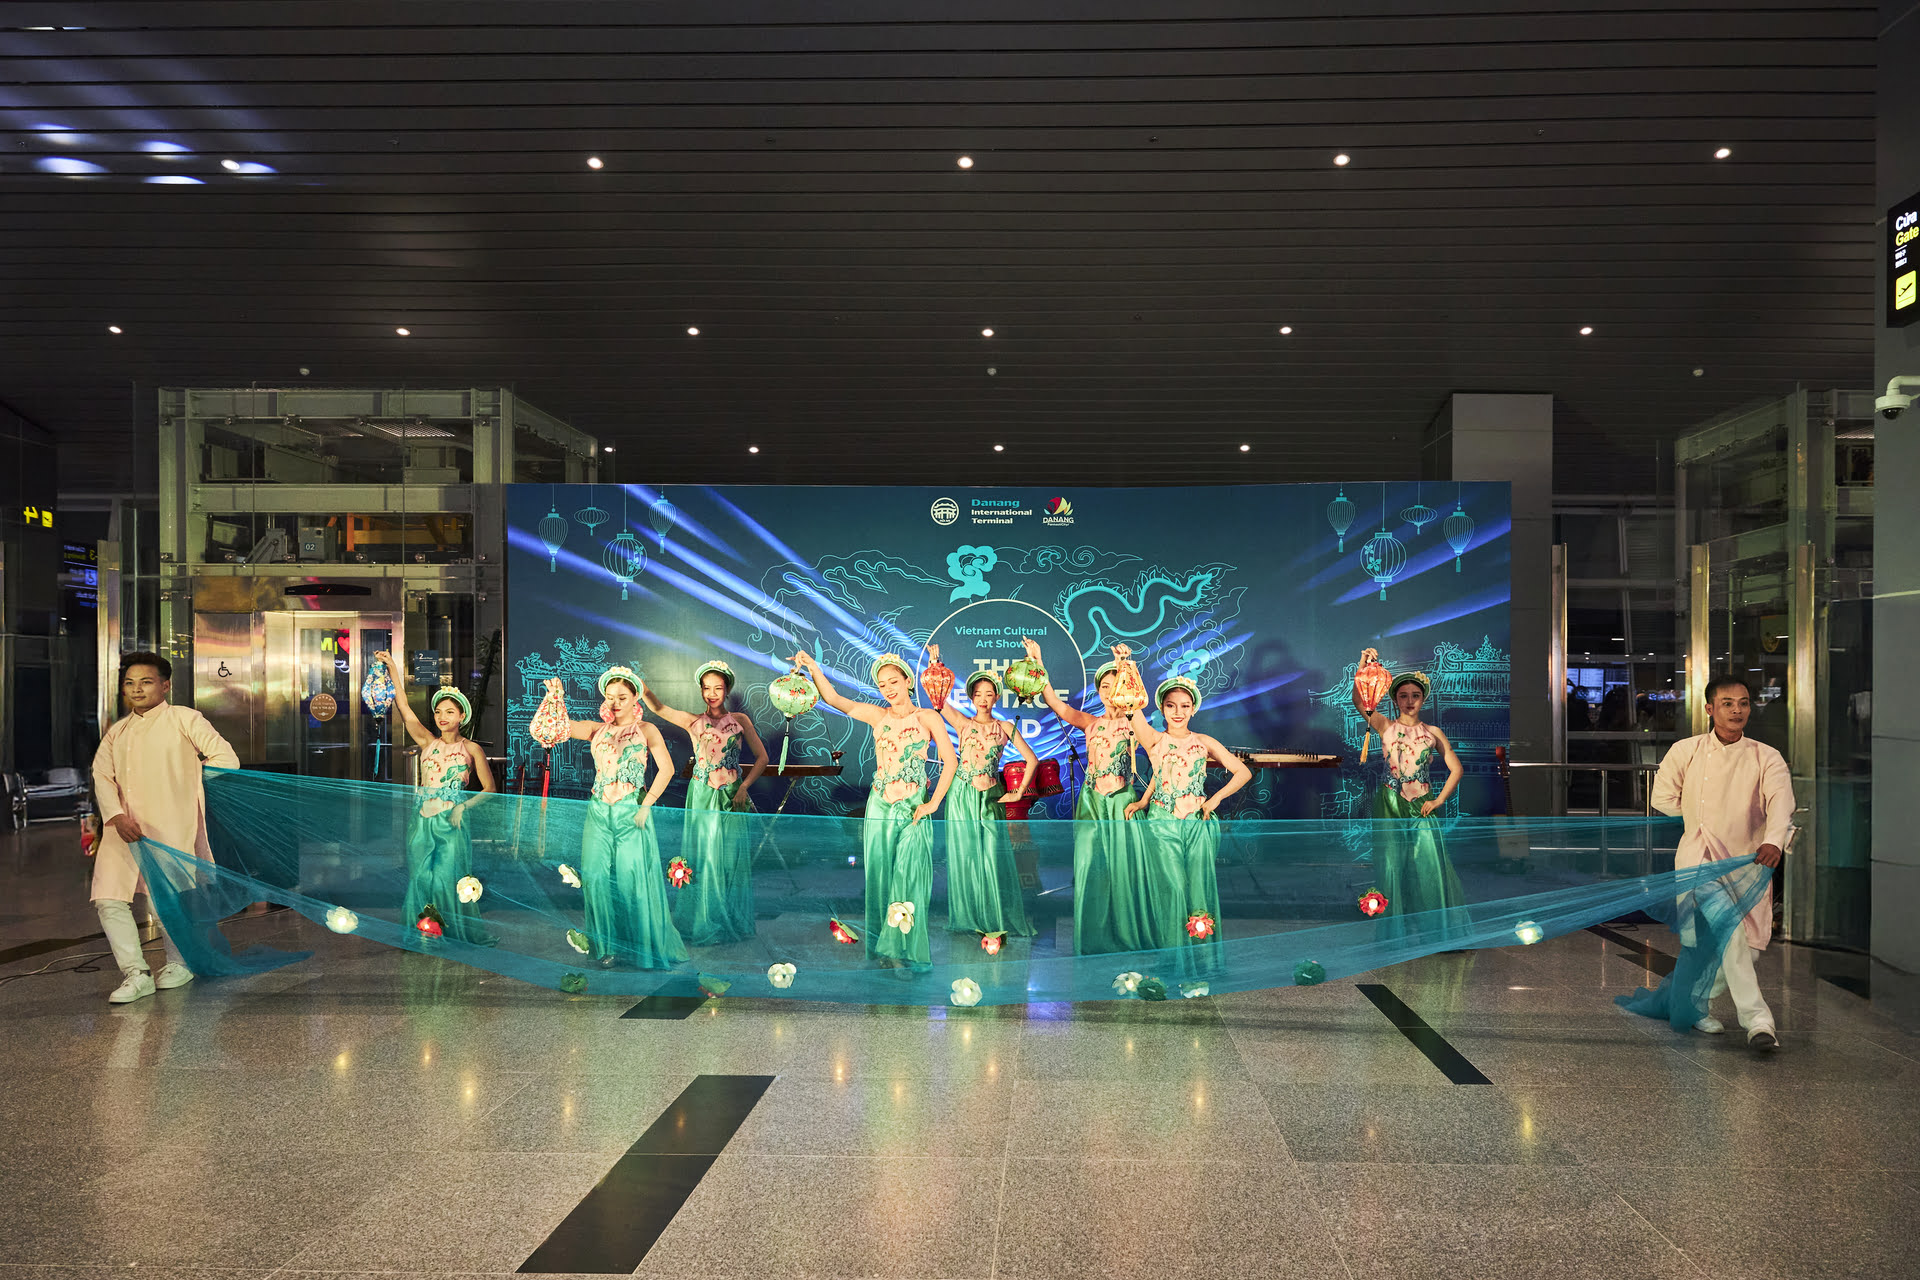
[174,975]
[138,986]
[1763,1037]
[1707,1026]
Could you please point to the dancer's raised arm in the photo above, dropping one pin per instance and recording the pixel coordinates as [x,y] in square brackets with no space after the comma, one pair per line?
[865,712]
[1071,715]
[671,715]
[419,732]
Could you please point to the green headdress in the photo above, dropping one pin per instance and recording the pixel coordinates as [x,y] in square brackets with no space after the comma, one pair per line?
[999,689]
[1411,677]
[718,668]
[447,693]
[1106,669]
[1177,682]
[886,660]
[611,674]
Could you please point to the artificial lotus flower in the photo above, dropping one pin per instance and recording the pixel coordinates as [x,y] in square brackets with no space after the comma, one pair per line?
[1200,926]
[1372,902]
[992,942]
[573,983]
[341,920]
[579,941]
[1126,983]
[1193,990]
[841,931]
[900,916]
[679,874]
[1528,932]
[569,875]
[966,992]
[1152,989]
[431,924]
[469,889]
[1309,973]
[780,975]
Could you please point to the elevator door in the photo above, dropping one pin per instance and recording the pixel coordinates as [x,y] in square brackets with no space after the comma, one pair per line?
[334,735]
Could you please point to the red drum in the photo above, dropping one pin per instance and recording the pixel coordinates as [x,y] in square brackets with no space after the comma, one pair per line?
[1046,780]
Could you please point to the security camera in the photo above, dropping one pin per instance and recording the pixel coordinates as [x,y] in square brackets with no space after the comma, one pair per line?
[1893,404]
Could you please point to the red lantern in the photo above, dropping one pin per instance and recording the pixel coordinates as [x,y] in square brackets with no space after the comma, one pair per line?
[679,874]
[1200,926]
[937,679]
[1372,902]
[841,932]
[992,942]
[1370,681]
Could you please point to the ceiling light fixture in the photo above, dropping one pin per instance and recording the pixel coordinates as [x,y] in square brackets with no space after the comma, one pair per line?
[405,333]
[1286,330]
[753,448]
[1343,159]
[1245,448]
[173,180]
[693,331]
[1586,330]
[1699,373]
[231,166]
[594,162]
[999,448]
[113,328]
[965,162]
[606,448]
[986,333]
[1723,153]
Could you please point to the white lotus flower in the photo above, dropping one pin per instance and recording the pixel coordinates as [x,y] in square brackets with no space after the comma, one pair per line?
[900,916]
[1528,932]
[469,889]
[571,876]
[1192,990]
[780,975]
[341,920]
[965,992]
[1126,983]
[579,941]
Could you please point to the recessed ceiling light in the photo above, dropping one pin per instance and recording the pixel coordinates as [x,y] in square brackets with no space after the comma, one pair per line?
[1586,330]
[173,180]
[606,448]
[594,162]
[753,448]
[1285,330]
[1343,159]
[1723,153]
[965,162]
[986,333]
[693,331]
[1699,373]
[231,166]
[113,328]
[405,333]
[1245,447]
[999,448]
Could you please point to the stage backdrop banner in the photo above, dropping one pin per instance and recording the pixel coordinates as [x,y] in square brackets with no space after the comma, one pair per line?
[1262,594]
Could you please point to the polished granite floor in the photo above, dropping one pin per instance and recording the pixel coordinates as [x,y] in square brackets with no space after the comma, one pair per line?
[374,1112]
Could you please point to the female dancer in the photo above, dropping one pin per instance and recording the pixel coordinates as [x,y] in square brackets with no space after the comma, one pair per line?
[1409,853]
[897,849]
[1180,838]
[718,906]
[620,877]
[1112,909]
[439,852]
[983,885]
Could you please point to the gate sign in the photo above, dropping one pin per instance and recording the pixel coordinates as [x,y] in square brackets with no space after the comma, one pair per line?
[1903,263]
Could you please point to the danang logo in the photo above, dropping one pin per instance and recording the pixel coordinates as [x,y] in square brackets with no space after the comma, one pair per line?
[945,511]
[1058,511]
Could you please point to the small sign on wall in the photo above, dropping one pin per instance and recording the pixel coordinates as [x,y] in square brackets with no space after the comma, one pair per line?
[1903,263]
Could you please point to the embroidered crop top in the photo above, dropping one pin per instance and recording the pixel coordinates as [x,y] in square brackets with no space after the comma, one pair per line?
[1179,775]
[619,762]
[900,758]
[443,776]
[716,749]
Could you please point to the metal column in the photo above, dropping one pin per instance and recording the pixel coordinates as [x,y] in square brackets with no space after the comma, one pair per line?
[1699,638]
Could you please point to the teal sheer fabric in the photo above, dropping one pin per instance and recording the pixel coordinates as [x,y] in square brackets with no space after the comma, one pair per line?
[1706,916]
[1283,896]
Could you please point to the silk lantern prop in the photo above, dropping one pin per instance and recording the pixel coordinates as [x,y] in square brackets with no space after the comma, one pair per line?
[1370,683]
[937,679]
[793,694]
[1026,678]
[1129,690]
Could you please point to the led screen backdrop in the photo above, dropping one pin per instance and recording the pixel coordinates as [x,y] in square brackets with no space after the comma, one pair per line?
[1263,594]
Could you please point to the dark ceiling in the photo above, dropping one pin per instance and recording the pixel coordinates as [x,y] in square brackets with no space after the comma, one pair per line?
[1153,196]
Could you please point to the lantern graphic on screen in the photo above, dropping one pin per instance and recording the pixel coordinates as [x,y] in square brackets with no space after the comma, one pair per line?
[553,535]
[624,557]
[592,517]
[662,515]
[1370,683]
[937,679]
[1340,514]
[1384,556]
[1419,515]
[1458,529]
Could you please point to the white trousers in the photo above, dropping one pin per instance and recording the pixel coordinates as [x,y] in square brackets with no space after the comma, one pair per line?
[116,921]
[1738,979]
